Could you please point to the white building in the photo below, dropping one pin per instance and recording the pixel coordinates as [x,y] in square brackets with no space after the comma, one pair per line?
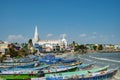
[116,46]
[3,46]
[49,44]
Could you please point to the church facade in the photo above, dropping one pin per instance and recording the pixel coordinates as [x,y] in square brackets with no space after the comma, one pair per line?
[49,45]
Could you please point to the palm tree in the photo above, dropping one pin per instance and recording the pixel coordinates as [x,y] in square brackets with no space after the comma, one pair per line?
[30,43]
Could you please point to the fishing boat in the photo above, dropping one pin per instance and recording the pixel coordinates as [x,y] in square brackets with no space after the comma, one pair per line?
[99,75]
[85,66]
[27,65]
[74,63]
[81,72]
[23,70]
[18,65]
[86,76]
[99,69]
[68,60]
[56,69]
[50,59]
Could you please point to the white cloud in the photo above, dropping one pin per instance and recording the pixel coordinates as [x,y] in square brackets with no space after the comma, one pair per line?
[17,38]
[83,35]
[49,35]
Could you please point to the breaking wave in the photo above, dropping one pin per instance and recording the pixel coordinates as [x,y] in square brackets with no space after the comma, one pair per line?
[105,59]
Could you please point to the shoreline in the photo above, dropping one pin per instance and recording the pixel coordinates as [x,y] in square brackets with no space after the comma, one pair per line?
[93,51]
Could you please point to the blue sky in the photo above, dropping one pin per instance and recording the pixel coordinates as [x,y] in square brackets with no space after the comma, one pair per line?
[83,21]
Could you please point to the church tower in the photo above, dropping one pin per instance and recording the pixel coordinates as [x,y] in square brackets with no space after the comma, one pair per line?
[64,41]
[36,36]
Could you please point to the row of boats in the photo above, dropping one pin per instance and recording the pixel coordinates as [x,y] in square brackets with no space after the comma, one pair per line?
[50,67]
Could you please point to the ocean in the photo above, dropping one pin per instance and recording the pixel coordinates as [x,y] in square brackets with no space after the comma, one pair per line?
[103,59]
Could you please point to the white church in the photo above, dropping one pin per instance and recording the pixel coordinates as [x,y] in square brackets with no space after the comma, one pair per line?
[49,44]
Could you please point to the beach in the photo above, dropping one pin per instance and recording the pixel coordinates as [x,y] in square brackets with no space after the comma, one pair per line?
[102,59]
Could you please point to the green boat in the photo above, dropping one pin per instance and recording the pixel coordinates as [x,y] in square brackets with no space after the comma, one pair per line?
[102,75]
[17,77]
[99,69]
[81,72]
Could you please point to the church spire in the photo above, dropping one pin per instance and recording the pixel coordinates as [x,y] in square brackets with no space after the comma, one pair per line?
[36,36]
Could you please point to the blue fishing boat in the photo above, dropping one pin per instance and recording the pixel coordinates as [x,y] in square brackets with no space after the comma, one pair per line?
[68,60]
[33,70]
[85,66]
[50,59]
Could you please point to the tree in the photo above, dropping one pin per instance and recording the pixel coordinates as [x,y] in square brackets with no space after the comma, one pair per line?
[11,50]
[100,47]
[31,48]
[83,48]
[30,43]
[94,47]
[73,43]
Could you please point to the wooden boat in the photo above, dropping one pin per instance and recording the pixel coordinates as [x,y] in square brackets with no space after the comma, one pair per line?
[19,64]
[99,69]
[23,71]
[86,76]
[27,65]
[81,72]
[68,60]
[74,63]
[99,75]
[56,69]
[50,59]
[85,66]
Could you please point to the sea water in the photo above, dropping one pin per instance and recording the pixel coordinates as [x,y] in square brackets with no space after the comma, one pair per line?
[103,59]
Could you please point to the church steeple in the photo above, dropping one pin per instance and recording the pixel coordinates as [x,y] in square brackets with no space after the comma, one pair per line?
[36,36]
[64,41]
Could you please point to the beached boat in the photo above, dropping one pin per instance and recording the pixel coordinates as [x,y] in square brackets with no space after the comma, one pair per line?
[23,70]
[18,65]
[50,59]
[27,65]
[86,76]
[81,72]
[99,69]
[56,69]
[74,63]
[85,66]
[68,60]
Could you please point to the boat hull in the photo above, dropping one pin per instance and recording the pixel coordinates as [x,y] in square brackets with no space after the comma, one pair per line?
[100,76]
[97,77]
[66,69]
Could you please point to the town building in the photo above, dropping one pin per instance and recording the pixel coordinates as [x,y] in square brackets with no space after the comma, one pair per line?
[49,45]
[3,47]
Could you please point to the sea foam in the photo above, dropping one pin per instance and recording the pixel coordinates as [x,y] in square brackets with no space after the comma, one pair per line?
[105,59]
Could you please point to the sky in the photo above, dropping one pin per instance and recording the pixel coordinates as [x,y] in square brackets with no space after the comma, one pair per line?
[82,21]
